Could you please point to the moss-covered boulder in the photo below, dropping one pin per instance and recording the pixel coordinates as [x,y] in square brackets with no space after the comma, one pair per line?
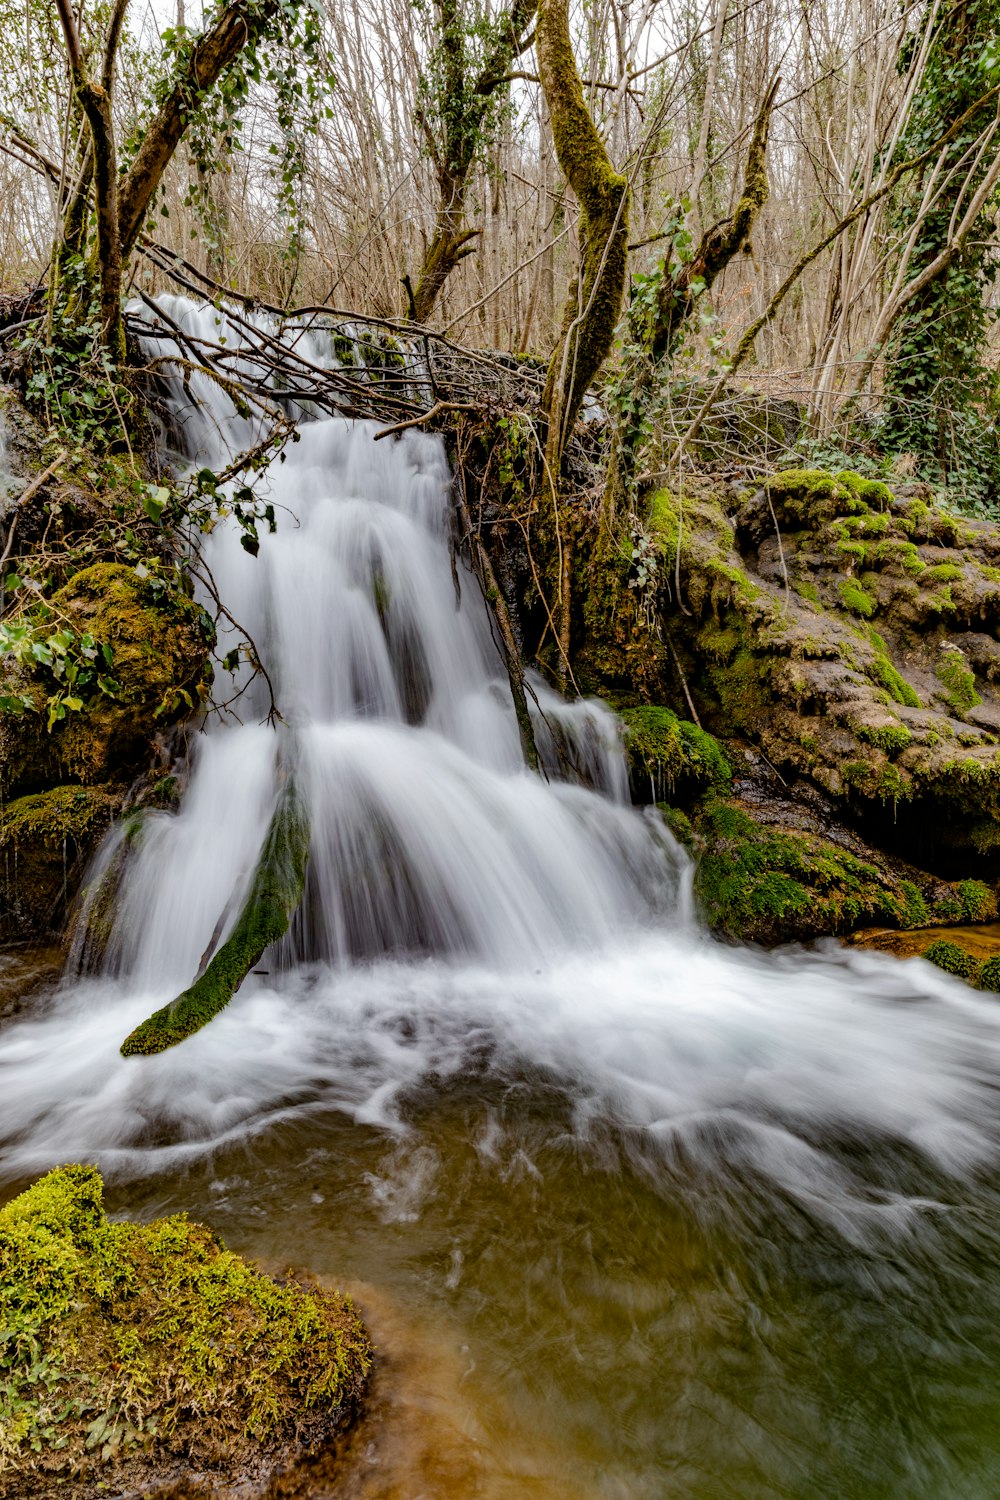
[46,840]
[766,884]
[851,634]
[158,641]
[131,1353]
[670,759]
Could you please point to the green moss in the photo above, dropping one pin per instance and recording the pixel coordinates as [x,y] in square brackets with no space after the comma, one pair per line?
[882,782]
[670,752]
[853,551]
[274,896]
[664,524]
[768,885]
[854,598]
[951,958]
[807,590]
[882,671]
[892,738]
[894,554]
[959,680]
[679,824]
[915,913]
[942,573]
[978,902]
[988,977]
[124,1341]
[45,840]
[810,498]
[742,687]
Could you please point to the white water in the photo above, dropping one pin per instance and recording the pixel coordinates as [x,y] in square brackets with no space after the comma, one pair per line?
[461,913]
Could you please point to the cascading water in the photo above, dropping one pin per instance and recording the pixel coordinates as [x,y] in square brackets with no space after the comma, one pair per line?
[724,1216]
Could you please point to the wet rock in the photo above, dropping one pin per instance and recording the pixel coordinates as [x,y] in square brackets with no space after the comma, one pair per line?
[849,634]
[46,839]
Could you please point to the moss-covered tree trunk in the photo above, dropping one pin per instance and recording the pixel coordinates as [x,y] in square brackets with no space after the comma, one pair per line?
[274,897]
[456,132]
[595,299]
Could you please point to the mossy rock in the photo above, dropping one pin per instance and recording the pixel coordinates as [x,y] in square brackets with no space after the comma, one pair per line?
[671,759]
[132,1353]
[768,885]
[988,977]
[952,959]
[46,840]
[159,639]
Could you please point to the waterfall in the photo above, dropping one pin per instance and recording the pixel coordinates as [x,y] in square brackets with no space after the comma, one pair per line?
[460,910]
[428,834]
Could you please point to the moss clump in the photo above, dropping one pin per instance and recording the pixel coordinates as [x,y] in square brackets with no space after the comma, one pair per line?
[770,885]
[891,738]
[915,913]
[952,959]
[882,671]
[45,839]
[988,977]
[806,499]
[127,1347]
[159,641]
[855,598]
[959,681]
[275,893]
[894,555]
[942,573]
[978,903]
[670,752]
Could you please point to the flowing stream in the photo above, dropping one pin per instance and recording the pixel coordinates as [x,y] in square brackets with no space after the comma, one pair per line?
[633,1213]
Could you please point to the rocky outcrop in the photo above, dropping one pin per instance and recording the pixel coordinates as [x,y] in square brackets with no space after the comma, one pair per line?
[850,635]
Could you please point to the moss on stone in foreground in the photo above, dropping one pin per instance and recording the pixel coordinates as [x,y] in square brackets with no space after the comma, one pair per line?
[127,1348]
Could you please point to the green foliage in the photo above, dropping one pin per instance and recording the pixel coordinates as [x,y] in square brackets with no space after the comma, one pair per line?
[939,385]
[70,379]
[460,123]
[952,959]
[282,61]
[120,1339]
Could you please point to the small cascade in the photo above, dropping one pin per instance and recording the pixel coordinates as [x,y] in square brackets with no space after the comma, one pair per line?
[429,837]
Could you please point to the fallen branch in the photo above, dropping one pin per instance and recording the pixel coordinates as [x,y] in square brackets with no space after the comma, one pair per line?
[427,416]
[22,501]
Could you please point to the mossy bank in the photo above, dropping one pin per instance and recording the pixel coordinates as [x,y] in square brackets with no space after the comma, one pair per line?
[133,1353]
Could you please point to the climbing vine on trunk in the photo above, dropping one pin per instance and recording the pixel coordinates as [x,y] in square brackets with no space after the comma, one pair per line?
[463,91]
[595,299]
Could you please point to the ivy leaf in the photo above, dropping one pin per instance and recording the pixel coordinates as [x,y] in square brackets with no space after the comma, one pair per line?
[154,501]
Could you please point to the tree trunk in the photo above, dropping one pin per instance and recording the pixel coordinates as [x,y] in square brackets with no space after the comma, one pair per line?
[595,301]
